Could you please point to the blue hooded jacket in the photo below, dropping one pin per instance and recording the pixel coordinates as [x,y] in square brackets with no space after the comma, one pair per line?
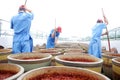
[95,43]
[21,24]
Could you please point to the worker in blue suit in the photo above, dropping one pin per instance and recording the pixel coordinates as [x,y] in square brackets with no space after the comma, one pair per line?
[53,37]
[95,43]
[21,23]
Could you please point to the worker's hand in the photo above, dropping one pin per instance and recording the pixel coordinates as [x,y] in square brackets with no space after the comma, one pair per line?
[22,6]
[55,29]
[106,33]
[105,20]
[26,9]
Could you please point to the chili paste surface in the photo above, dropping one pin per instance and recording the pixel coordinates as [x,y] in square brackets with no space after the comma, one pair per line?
[29,58]
[79,59]
[5,74]
[63,76]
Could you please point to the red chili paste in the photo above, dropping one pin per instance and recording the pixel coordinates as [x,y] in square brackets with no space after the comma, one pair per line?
[114,55]
[29,58]
[64,76]
[5,74]
[78,59]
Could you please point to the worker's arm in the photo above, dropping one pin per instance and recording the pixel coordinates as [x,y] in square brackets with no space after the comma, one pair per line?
[104,33]
[105,19]
[28,10]
[53,33]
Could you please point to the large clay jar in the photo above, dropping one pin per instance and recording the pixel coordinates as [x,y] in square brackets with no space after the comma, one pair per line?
[62,73]
[107,63]
[3,55]
[9,71]
[116,68]
[81,60]
[30,60]
[53,51]
[74,51]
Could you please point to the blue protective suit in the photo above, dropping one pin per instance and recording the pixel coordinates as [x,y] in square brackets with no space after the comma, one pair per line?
[22,41]
[51,40]
[95,43]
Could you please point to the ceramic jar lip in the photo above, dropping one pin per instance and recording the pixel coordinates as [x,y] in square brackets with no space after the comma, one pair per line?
[57,58]
[55,67]
[116,60]
[110,55]
[46,56]
[5,51]
[20,72]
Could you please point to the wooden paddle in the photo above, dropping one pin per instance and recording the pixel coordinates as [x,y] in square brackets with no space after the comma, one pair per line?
[105,19]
